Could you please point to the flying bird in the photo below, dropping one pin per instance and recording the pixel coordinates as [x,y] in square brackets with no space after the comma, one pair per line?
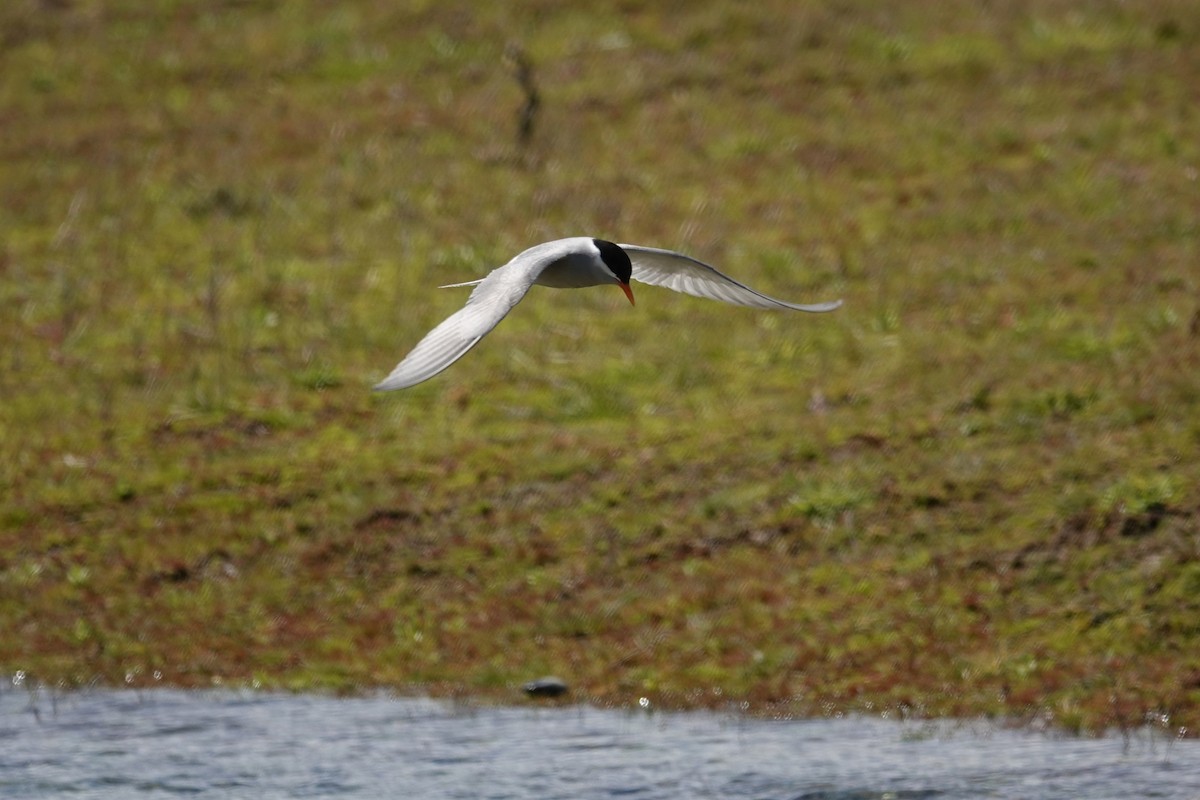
[569,264]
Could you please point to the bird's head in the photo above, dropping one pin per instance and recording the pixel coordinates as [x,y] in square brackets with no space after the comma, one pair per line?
[618,263]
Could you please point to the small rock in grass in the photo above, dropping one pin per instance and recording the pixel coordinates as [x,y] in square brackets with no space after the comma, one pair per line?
[548,686]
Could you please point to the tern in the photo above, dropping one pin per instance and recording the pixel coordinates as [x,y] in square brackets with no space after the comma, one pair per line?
[569,264]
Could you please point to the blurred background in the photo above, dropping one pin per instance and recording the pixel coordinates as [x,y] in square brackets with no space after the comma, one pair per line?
[972,489]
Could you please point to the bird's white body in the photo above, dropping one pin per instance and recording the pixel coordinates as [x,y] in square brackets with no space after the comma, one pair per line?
[572,263]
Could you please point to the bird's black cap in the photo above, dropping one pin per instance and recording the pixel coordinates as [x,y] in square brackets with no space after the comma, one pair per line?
[615,259]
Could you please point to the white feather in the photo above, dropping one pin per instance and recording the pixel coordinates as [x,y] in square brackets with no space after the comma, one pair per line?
[685,274]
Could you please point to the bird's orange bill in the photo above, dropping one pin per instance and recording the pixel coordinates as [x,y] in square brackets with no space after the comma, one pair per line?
[628,292]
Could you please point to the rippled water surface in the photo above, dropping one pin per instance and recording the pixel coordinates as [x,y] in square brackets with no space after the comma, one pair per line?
[164,743]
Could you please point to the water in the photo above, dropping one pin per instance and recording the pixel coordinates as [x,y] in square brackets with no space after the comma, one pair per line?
[166,744]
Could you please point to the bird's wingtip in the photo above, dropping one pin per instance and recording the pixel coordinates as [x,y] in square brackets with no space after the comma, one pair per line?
[387,385]
[832,305]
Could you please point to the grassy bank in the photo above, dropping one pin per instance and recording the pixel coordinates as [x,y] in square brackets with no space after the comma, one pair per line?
[974,489]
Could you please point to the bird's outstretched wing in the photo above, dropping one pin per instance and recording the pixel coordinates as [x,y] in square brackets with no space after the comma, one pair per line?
[491,300]
[684,274]
[440,348]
